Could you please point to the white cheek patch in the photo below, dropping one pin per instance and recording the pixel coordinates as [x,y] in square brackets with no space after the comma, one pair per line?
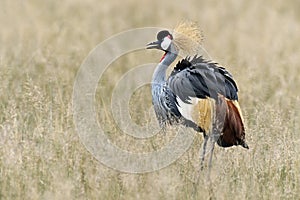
[166,43]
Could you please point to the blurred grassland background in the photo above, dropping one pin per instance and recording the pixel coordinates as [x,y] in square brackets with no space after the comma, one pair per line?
[43,43]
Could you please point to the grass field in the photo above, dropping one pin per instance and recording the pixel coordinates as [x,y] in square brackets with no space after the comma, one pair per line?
[42,45]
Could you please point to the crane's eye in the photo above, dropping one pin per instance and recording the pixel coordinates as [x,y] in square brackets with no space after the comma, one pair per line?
[165,44]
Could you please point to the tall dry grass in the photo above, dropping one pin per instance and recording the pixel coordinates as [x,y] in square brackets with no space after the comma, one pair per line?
[42,44]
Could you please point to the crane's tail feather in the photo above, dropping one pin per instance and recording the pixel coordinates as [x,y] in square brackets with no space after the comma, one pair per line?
[229,117]
[233,129]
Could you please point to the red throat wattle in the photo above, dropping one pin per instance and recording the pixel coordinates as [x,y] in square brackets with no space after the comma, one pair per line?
[163,57]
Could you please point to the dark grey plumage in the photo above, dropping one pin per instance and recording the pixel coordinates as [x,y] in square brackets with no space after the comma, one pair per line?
[199,78]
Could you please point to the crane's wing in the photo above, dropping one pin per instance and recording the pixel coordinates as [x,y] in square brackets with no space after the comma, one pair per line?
[201,79]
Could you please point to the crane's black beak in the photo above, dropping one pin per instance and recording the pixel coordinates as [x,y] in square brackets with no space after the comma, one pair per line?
[153,45]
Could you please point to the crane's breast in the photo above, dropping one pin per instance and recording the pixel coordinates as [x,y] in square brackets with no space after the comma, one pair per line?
[164,102]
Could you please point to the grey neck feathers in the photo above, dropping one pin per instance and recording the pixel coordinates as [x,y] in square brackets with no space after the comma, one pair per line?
[159,76]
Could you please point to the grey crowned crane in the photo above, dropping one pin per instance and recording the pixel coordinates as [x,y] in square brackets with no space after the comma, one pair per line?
[199,93]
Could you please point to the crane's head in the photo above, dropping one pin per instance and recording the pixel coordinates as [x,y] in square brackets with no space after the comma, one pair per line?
[186,37]
[164,41]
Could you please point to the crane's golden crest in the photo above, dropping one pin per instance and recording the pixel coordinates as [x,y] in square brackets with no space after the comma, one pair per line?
[188,37]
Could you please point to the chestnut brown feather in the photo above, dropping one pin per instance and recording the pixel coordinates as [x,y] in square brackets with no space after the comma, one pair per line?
[233,129]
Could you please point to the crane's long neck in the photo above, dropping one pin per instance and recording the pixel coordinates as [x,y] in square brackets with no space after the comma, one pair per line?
[159,76]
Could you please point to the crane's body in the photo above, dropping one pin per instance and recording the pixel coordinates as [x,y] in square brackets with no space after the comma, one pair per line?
[198,94]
